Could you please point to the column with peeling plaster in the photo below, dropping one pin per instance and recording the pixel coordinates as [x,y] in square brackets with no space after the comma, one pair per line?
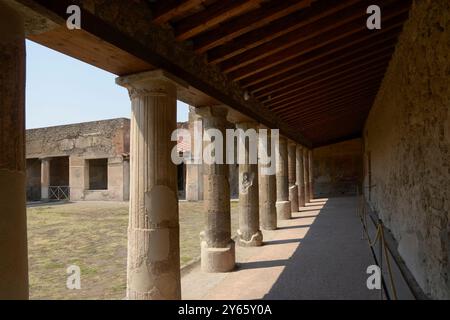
[194,170]
[311,175]
[300,176]
[153,270]
[292,173]
[267,183]
[13,222]
[45,179]
[306,174]
[249,234]
[217,247]
[283,204]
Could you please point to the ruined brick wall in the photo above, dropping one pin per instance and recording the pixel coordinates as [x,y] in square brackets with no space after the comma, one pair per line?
[96,139]
[407,144]
[338,169]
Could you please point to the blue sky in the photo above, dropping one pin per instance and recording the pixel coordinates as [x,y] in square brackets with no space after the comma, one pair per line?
[63,90]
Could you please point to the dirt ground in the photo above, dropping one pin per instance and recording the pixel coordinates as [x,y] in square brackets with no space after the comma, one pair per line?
[93,236]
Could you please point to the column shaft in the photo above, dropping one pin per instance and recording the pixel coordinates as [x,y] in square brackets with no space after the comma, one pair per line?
[311,175]
[267,188]
[153,231]
[306,174]
[194,171]
[217,247]
[13,223]
[45,179]
[292,165]
[249,234]
[300,176]
[283,204]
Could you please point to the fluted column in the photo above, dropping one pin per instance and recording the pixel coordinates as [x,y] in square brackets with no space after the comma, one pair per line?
[267,186]
[249,234]
[194,171]
[13,223]
[45,178]
[292,172]
[153,233]
[311,175]
[300,176]
[283,204]
[306,173]
[217,247]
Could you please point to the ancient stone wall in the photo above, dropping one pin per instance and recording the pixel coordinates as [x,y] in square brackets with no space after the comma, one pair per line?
[407,137]
[338,169]
[96,139]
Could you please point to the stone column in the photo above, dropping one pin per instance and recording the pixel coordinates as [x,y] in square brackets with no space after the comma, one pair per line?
[300,177]
[249,234]
[283,204]
[45,179]
[13,223]
[292,172]
[217,247]
[311,175]
[194,171]
[153,233]
[306,174]
[267,188]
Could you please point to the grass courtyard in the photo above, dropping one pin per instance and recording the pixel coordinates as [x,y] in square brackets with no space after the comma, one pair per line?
[93,236]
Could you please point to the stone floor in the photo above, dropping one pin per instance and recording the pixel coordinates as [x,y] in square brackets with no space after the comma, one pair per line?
[319,254]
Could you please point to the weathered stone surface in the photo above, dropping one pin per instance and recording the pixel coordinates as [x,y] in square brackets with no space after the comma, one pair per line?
[153,232]
[407,142]
[13,224]
[292,171]
[216,244]
[249,234]
[300,176]
[306,174]
[267,190]
[283,204]
[338,169]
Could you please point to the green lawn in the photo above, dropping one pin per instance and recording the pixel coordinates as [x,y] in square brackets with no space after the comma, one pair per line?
[93,236]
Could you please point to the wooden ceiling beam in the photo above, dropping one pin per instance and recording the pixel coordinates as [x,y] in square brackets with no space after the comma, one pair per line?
[321,32]
[268,12]
[370,81]
[319,67]
[325,75]
[353,34]
[213,15]
[345,76]
[276,29]
[166,10]
[327,52]
[324,106]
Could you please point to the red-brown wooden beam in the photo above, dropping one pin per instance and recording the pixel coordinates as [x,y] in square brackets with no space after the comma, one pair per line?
[327,52]
[276,29]
[332,73]
[318,67]
[337,26]
[164,11]
[231,29]
[218,12]
[352,34]
[345,76]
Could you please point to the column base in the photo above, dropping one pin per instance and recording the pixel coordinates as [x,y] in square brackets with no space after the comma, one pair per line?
[283,210]
[293,197]
[215,260]
[301,197]
[255,241]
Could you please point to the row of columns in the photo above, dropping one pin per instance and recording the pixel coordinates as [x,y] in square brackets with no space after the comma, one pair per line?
[153,265]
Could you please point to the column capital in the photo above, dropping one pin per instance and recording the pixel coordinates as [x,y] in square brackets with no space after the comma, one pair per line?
[156,83]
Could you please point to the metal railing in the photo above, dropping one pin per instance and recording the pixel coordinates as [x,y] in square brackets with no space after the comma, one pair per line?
[60,193]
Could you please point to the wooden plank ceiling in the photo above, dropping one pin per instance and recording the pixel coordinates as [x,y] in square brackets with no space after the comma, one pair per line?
[312,62]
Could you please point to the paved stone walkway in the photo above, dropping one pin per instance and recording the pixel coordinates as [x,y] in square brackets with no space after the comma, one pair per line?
[319,254]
